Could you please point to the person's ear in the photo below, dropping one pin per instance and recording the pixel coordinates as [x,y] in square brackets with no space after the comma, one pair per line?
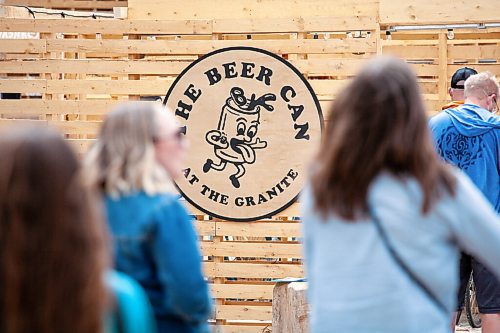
[450,92]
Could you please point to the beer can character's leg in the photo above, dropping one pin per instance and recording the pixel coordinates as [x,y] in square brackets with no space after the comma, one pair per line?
[234,178]
[209,164]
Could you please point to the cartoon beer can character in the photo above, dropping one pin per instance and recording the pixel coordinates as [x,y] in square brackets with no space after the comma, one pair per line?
[235,139]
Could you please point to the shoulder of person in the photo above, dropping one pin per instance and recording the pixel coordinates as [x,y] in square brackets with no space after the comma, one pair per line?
[439,118]
[168,201]
[169,206]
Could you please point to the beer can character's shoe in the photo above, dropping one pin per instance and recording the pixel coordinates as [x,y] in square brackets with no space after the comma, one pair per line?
[234,181]
[208,165]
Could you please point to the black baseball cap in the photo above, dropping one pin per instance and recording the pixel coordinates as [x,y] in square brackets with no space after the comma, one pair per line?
[461,74]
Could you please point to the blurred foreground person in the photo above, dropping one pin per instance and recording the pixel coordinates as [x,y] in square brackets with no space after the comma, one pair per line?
[469,137]
[52,249]
[384,217]
[140,148]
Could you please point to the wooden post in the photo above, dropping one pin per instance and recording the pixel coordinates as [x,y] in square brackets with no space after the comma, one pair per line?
[133,57]
[217,240]
[218,280]
[378,39]
[290,309]
[443,68]
[46,76]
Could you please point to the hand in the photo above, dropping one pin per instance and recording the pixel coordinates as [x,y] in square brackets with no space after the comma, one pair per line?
[259,144]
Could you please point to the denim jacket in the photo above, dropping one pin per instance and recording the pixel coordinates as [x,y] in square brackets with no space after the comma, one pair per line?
[155,243]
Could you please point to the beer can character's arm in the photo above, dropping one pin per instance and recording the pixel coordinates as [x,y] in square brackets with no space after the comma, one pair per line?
[217,138]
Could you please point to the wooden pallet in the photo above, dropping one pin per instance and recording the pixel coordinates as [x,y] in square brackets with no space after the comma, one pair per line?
[70,72]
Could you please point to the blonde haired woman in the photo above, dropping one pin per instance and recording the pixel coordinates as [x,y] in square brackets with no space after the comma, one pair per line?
[140,148]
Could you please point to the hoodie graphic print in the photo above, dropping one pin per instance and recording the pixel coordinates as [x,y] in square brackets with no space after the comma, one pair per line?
[469,137]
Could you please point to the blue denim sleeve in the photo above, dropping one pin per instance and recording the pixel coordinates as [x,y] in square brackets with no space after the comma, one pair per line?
[178,260]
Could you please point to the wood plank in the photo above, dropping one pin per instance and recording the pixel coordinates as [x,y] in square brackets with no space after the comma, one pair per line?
[22,108]
[327,90]
[112,87]
[197,47]
[205,228]
[493,40]
[437,12]
[411,51]
[23,86]
[489,51]
[329,67]
[258,229]
[415,40]
[23,46]
[291,211]
[241,9]
[39,106]
[77,127]
[43,12]
[254,249]
[64,4]
[106,26]
[266,328]
[460,34]
[410,40]
[321,67]
[425,69]
[242,291]
[294,24]
[349,67]
[81,146]
[85,66]
[10,123]
[327,87]
[20,56]
[251,270]
[243,312]
[189,27]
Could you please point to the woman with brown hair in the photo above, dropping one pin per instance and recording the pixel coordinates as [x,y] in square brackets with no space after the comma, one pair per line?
[384,218]
[52,249]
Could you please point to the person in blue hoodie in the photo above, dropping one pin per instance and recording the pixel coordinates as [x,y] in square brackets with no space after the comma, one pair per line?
[139,150]
[468,137]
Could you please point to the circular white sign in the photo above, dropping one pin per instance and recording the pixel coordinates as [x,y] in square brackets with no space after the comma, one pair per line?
[253,123]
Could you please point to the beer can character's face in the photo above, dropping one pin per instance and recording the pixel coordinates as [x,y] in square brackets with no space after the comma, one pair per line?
[239,124]
[246,128]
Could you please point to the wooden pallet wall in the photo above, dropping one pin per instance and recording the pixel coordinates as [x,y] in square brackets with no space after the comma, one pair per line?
[70,72]
[437,57]
[79,68]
